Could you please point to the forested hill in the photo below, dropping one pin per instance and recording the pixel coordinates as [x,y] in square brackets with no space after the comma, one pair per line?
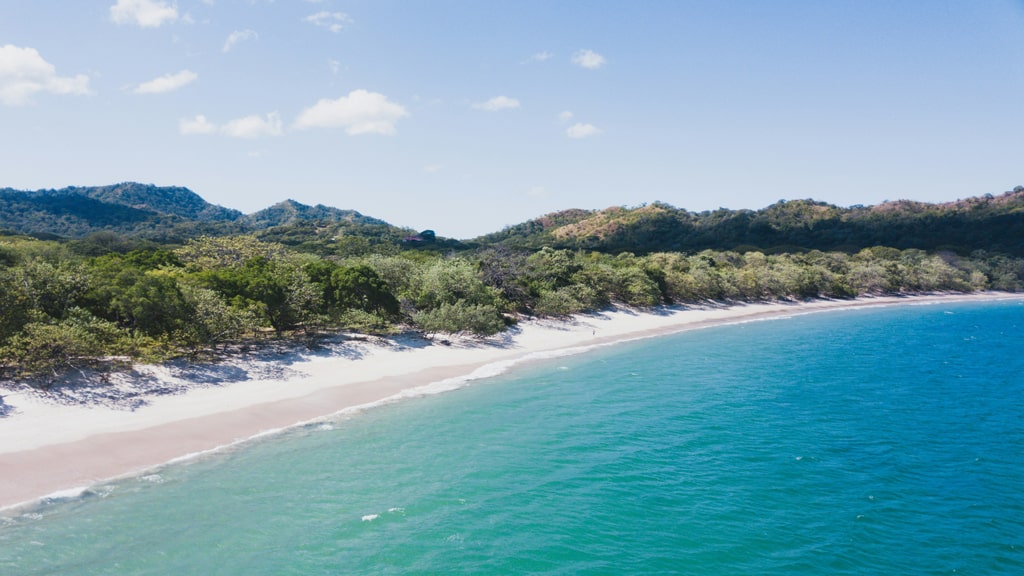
[174,214]
[172,200]
[992,223]
[163,214]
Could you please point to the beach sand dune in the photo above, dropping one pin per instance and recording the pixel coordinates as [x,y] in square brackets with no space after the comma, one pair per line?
[49,447]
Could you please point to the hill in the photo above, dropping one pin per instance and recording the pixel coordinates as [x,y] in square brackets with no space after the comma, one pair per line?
[173,200]
[174,214]
[290,212]
[994,223]
[128,208]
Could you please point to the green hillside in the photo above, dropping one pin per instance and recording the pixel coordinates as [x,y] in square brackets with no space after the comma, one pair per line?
[993,223]
[175,214]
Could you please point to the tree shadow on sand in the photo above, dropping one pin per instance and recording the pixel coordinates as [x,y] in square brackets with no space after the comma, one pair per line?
[133,388]
[5,408]
[136,387]
[420,340]
[289,352]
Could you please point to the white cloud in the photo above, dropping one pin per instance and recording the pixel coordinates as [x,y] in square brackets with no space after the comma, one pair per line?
[588,59]
[239,36]
[197,125]
[432,168]
[580,130]
[542,56]
[497,103]
[565,116]
[333,21]
[254,126]
[23,72]
[361,112]
[167,83]
[145,13]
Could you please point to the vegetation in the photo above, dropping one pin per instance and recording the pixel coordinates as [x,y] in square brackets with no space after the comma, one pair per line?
[170,215]
[994,223]
[109,297]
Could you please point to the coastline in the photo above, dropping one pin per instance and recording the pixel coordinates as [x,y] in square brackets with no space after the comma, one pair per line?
[48,448]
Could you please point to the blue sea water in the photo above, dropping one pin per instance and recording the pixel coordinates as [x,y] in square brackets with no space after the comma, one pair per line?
[868,441]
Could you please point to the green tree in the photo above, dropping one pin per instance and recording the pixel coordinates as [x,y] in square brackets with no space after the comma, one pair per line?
[399,272]
[53,346]
[215,321]
[51,289]
[567,300]
[210,253]
[449,281]
[142,299]
[461,316]
[15,305]
[282,293]
[360,288]
[549,268]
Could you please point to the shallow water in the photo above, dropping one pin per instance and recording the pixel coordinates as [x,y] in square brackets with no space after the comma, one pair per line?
[884,440]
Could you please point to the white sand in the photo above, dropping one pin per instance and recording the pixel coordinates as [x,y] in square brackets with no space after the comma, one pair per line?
[47,448]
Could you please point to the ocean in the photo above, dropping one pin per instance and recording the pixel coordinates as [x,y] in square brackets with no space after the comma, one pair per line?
[883,440]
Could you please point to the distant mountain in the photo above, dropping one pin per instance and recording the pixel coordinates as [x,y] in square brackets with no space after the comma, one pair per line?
[127,208]
[330,231]
[994,223]
[66,214]
[174,214]
[166,214]
[290,212]
[172,200]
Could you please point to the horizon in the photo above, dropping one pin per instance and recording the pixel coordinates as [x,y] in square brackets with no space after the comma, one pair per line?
[420,114]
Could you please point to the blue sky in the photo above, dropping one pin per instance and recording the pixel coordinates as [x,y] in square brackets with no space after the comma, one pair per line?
[465,116]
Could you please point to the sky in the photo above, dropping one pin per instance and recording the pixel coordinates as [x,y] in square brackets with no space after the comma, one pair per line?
[466,116]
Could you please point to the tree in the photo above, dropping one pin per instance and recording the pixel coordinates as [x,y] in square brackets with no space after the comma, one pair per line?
[449,281]
[50,347]
[548,268]
[634,287]
[398,272]
[504,270]
[214,321]
[478,319]
[283,293]
[15,305]
[209,253]
[133,292]
[360,288]
[51,289]
[567,300]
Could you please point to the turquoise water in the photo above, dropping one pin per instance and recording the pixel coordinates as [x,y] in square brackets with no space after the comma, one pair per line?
[870,441]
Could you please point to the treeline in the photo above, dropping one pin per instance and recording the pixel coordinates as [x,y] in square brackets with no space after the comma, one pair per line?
[75,304]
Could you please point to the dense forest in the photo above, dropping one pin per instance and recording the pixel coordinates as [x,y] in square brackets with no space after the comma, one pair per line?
[84,283]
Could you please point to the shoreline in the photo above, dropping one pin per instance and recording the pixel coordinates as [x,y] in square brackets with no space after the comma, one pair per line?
[52,450]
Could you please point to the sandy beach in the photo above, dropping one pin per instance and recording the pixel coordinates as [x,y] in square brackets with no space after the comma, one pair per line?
[51,447]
